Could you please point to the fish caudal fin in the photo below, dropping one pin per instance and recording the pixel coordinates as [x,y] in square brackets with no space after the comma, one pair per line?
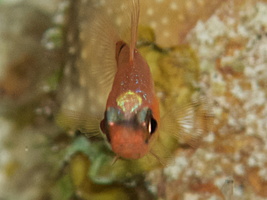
[134,26]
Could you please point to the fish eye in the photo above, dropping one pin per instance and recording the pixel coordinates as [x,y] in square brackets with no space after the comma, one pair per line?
[113,115]
[152,125]
[145,118]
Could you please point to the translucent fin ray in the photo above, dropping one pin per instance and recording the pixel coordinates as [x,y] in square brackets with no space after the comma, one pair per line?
[188,123]
[74,120]
[100,41]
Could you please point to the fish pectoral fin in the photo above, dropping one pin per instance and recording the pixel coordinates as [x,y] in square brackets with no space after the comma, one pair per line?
[188,123]
[74,120]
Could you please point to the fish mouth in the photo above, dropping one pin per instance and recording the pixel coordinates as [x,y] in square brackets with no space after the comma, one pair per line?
[130,151]
[133,147]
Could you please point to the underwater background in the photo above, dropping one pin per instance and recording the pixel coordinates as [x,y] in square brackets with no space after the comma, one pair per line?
[216,50]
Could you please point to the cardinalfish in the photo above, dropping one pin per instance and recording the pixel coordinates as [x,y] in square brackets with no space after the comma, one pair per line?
[132,109]
[132,123]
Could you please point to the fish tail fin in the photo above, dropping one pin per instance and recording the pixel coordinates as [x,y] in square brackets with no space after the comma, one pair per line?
[134,26]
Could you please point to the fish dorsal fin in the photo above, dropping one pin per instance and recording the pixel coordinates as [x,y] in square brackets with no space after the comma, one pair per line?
[134,26]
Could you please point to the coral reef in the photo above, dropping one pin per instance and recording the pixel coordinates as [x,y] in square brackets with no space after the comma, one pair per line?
[213,49]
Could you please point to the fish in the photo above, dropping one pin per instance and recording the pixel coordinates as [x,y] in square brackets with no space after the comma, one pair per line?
[132,109]
[131,122]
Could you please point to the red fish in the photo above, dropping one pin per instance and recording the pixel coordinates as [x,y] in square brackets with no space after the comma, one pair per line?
[132,122]
[132,109]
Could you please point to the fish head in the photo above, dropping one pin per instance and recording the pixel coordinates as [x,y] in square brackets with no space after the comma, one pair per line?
[129,135]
